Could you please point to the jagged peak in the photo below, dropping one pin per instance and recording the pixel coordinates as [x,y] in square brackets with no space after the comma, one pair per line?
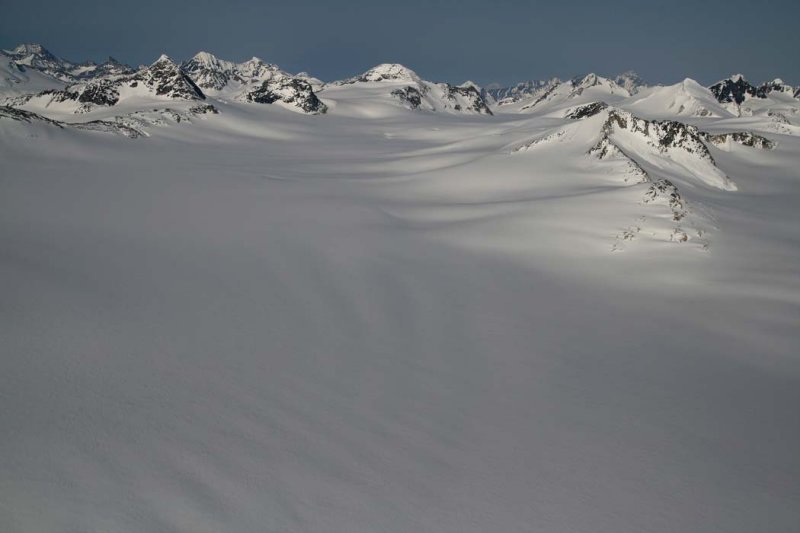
[30,48]
[737,78]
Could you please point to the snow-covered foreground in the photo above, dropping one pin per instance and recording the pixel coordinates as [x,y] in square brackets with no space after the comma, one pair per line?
[382,320]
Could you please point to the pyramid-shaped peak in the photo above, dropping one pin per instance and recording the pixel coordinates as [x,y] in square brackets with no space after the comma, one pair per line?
[163,58]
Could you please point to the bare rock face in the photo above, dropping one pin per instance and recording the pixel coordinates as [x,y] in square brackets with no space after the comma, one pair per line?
[737,89]
[745,138]
[588,110]
[288,90]
[101,92]
[661,134]
[466,98]
[410,96]
[665,189]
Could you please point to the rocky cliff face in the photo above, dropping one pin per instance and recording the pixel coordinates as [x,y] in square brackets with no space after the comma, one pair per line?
[737,89]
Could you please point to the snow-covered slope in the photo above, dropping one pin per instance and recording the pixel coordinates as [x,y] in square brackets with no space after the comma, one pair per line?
[17,79]
[223,316]
[685,99]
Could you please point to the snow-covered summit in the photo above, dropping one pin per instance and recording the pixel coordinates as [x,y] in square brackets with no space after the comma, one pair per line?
[388,72]
[208,71]
[580,84]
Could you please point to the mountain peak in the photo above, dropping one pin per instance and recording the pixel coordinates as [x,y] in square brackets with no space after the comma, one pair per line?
[630,81]
[30,48]
[588,80]
[254,59]
[163,58]
[206,58]
[389,72]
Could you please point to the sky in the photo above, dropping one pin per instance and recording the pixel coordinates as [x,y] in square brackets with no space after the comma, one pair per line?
[486,41]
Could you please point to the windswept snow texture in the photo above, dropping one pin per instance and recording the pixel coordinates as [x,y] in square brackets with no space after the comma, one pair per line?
[580,313]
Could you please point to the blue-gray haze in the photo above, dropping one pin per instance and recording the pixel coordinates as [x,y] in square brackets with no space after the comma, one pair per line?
[445,40]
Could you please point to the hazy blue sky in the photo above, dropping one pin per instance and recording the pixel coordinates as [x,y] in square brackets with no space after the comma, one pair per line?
[444,40]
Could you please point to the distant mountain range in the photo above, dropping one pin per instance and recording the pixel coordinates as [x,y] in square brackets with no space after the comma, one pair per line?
[34,77]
